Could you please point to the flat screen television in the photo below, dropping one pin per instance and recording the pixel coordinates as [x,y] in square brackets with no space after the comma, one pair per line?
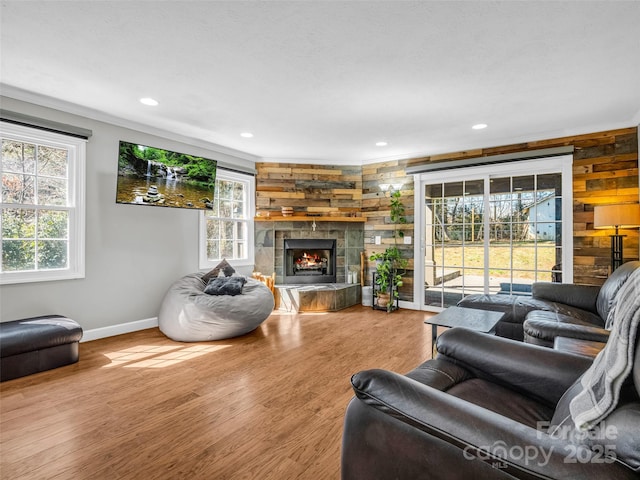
[162,178]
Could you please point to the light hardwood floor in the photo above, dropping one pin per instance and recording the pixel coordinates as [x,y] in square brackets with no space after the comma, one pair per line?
[269,405]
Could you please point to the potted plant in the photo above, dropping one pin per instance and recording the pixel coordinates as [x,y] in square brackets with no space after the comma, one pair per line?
[388,276]
[389,264]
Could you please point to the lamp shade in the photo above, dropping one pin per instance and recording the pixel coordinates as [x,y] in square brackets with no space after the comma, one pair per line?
[617,216]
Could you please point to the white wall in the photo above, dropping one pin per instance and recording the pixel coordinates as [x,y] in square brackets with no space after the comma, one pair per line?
[133,253]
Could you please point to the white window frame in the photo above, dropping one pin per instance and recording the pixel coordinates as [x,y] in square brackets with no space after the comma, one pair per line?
[562,164]
[250,182]
[75,206]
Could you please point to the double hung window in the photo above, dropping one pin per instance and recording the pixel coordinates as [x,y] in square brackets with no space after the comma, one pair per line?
[42,205]
[226,230]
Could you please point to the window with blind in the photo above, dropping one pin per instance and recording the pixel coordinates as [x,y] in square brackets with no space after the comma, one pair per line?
[42,205]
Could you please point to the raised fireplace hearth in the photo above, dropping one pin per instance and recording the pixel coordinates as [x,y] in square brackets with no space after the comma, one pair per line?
[309,261]
[327,297]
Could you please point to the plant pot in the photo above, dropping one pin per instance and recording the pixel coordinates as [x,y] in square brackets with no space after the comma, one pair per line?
[383,299]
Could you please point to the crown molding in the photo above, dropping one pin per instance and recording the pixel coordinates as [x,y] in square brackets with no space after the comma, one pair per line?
[527,138]
[75,109]
[312,161]
[234,155]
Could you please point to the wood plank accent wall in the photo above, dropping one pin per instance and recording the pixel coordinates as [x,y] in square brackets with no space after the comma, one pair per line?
[605,171]
[376,209]
[319,189]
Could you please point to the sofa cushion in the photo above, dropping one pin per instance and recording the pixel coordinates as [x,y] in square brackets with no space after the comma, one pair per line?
[439,374]
[514,307]
[575,317]
[576,295]
[501,400]
[563,313]
[542,328]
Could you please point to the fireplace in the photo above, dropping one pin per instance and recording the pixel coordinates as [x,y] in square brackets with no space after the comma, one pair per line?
[309,261]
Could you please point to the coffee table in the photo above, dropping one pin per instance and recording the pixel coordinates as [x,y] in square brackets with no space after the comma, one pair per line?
[475,319]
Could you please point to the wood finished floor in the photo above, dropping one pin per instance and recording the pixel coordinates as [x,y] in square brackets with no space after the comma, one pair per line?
[269,405]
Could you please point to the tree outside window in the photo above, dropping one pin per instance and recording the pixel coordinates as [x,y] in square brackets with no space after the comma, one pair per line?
[227,225]
[39,211]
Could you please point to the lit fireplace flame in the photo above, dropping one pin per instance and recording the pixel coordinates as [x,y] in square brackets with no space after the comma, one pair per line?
[309,260]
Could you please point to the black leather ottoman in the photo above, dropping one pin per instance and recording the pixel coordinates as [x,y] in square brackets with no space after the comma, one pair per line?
[37,344]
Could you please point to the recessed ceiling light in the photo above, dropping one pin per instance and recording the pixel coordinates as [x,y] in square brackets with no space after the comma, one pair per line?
[149,101]
[479,126]
[381,144]
[246,134]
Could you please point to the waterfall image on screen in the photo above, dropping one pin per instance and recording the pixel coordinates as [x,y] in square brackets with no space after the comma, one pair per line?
[162,178]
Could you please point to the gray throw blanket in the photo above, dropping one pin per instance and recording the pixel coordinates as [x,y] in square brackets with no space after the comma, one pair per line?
[603,380]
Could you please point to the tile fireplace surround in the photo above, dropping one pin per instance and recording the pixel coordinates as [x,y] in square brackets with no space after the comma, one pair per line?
[269,257]
[269,244]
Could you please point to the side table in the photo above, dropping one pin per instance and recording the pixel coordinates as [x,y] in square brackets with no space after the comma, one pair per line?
[473,318]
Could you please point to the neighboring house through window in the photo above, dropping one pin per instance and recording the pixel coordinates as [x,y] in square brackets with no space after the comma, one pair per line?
[42,205]
[226,230]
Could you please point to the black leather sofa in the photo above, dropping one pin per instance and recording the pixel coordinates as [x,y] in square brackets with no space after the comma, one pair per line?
[480,411]
[555,309]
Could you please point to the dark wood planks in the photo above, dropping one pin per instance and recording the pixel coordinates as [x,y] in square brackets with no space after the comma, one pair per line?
[605,171]
[309,188]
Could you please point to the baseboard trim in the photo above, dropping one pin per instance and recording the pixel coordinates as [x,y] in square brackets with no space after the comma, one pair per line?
[408,305]
[119,329]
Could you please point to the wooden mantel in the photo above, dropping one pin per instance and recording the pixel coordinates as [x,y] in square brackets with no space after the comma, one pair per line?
[305,218]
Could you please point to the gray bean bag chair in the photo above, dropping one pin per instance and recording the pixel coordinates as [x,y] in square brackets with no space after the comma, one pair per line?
[188,314]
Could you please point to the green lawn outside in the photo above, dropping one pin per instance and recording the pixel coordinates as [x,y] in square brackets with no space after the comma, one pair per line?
[523,257]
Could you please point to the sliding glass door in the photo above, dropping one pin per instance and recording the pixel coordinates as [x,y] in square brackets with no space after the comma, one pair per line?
[495,230]
[454,240]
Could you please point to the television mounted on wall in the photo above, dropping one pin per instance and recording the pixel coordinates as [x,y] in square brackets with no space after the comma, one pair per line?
[162,178]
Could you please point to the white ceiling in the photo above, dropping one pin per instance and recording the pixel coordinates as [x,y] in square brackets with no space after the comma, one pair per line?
[325,81]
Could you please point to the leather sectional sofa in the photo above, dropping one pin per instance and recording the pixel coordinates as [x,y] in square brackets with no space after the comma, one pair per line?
[484,409]
[556,310]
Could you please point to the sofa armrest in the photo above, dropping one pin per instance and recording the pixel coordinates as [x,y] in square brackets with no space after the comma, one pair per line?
[579,296]
[586,348]
[544,331]
[455,428]
[542,372]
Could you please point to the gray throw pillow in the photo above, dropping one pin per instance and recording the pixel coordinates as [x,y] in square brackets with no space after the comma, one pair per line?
[225,286]
[227,269]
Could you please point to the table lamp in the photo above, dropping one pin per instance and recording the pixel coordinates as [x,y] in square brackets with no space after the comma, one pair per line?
[616,216]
